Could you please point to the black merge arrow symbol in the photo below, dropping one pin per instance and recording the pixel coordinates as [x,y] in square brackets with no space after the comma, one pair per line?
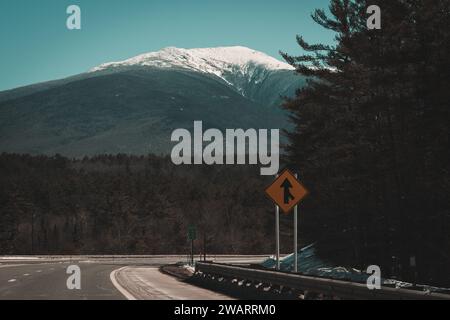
[286,185]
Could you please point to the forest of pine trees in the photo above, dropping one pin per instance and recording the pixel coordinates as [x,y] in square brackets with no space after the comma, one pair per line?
[371,137]
[119,204]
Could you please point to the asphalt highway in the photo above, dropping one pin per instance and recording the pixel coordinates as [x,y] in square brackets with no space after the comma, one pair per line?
[102,278]
[47,281]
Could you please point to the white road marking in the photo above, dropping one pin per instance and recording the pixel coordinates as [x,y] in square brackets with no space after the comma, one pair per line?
[26,274]
[11,265]
[12,280]
[116,284]
[38,271]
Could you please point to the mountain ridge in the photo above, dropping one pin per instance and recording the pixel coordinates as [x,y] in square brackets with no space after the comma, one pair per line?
[133,109]
[201,59]
[238,66]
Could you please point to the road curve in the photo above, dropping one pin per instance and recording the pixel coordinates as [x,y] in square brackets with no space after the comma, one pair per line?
[102,278]
[148,283]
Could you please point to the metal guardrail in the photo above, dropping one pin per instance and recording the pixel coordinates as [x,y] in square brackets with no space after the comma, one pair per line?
[300,283]
[68,256]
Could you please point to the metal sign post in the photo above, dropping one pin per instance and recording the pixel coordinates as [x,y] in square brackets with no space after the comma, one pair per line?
[286,192]
[192,235]
[192,252]
[296,236]
[277,234]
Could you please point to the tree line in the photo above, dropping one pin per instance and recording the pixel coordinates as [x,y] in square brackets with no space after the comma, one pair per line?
[122,204]
[371,137]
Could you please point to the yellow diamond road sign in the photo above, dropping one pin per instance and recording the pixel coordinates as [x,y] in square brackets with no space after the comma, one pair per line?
[286,191]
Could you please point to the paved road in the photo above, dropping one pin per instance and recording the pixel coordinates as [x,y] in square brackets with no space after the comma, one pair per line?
[44,278]
[147,283]
[42,281]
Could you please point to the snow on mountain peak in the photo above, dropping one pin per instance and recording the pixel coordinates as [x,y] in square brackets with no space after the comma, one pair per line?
[216,61]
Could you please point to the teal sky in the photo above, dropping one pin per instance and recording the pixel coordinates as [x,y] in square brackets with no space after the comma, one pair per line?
[36,46]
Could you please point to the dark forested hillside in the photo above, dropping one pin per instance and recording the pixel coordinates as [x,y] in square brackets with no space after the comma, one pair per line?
[132,112]
[130,205]
[372,137]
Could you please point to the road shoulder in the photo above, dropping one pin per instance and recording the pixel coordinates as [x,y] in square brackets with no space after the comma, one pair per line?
[149,283]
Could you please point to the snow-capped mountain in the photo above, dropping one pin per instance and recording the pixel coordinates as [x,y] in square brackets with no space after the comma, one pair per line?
[238,66]
[209,60]
[133,106]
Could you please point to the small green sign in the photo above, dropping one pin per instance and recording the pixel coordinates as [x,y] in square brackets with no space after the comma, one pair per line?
[192,233]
